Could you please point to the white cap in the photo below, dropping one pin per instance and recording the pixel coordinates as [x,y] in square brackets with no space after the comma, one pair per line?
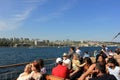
[58,60]
[64,54]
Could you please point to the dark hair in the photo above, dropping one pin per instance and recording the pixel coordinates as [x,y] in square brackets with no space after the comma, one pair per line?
[89,61]
[99,56]
[114,61]
[36,65]
[101,67]
[73,48]
[41,62]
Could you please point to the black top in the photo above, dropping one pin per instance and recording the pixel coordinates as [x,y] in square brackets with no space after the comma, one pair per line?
[104,77]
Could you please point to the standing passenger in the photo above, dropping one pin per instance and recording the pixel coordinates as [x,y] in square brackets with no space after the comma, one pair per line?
[71,52]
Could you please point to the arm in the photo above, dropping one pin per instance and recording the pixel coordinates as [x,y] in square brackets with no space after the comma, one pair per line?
[73,72]
[81,65]
[87,72]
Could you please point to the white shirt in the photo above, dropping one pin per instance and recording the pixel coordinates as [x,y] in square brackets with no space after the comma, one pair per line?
[115,72]
[68,62]
[78,51]
[36,76]
[22,76]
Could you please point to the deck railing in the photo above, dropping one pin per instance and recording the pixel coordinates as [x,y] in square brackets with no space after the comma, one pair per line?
[12,75]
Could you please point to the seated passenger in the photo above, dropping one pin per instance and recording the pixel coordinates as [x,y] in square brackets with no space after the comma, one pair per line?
[66,61]
[26,74]
[60,70]
[76,67]
[100,71]
[100,59]
[42,68]
[35,74]
[113,68]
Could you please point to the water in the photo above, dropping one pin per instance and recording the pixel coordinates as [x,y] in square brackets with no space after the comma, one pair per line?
[20,55]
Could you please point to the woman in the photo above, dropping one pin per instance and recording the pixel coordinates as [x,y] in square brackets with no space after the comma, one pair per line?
[26,74]
[42,68]
[35,74]
[75,67]
[88,62]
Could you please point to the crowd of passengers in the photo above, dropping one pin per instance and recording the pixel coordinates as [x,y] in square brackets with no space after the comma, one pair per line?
[76,66]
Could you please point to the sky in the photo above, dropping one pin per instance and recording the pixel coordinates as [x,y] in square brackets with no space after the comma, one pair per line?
[97,20]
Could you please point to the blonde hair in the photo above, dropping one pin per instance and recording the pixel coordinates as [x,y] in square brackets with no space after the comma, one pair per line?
[28,67]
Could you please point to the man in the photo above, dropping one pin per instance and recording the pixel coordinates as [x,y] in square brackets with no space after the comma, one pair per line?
[113,68]
[60,70]
[66,60]
[100,71]
[71,52]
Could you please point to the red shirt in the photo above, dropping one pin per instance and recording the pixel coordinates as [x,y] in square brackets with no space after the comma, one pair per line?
[60,71]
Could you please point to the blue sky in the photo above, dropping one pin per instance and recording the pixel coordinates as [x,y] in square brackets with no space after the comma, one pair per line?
[60,19]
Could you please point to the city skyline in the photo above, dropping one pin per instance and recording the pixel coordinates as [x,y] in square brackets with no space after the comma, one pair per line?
[96,20]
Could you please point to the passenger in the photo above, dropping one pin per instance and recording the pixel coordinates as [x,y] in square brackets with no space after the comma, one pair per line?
[78,51]
[66,61]
[100,71]
[26,74]
[60,70]
[76,67]
[113,68]
[95,53]
[71,52]
[117,51]
[104,51]
[86,54]
[42,68]
[100,59]
[88,62]
[35,74]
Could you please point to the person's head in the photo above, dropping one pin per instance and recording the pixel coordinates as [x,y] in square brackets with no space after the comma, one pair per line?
[87,60]
[41,62]
[65,55]
[36,66]
[100,68]
[72,49]
[77,48]
[112,62]
[59,61]
[100,58]
[75,56]
[28,68]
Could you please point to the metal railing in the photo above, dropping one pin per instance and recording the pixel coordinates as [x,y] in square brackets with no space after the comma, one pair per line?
[12,75]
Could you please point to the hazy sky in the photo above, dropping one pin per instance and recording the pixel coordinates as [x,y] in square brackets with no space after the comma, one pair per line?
[60,19]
